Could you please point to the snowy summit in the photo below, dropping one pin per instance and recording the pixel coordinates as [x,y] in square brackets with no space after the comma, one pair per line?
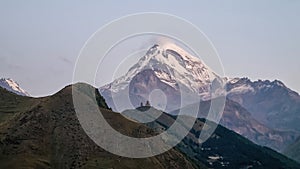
[173,66]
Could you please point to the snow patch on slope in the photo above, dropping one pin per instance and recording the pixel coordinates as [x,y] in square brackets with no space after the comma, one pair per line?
[242,89]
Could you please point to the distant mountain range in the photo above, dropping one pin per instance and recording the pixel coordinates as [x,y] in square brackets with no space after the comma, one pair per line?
[45,133]
[12,86]
[266,112]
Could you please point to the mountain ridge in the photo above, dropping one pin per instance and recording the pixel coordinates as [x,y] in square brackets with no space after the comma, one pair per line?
[276,105]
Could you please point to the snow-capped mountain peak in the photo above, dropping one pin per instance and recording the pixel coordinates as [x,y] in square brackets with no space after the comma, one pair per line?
[173,66]
[12,86]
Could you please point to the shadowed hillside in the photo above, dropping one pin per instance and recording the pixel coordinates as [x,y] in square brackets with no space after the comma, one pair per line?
[293,151]
[224,148]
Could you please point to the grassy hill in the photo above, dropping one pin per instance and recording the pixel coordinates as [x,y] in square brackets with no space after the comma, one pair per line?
[45,133]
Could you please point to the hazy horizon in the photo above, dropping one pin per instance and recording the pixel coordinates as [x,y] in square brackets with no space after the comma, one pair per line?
[40,41]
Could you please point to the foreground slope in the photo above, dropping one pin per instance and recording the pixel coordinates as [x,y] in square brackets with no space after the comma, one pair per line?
[45,133]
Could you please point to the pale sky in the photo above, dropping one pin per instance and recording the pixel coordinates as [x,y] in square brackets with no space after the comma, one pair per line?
[40,40]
